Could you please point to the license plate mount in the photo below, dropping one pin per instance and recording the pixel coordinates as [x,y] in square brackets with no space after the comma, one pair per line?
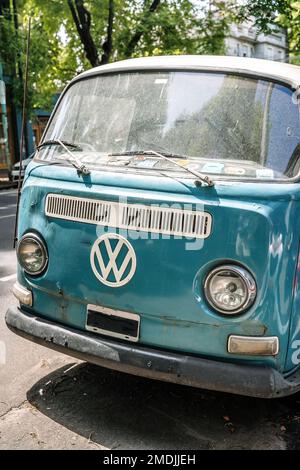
[115,323]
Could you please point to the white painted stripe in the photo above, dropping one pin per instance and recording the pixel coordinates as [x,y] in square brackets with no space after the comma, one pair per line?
[10,193]
[8,278]
[7,207]
[5,216]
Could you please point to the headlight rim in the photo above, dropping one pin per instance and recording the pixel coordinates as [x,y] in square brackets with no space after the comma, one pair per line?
[39,240]
[248,280]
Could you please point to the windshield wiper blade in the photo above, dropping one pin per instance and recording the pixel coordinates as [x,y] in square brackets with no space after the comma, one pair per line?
[143,152]
[75,161]
[201,179]
[57,142]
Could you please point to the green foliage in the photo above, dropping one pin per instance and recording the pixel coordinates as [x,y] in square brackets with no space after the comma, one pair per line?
[57,54]
[265,11]
[213,26]
[168,31]
[9,46]
[285,13]
[175,27]
[46,53]
[290,19]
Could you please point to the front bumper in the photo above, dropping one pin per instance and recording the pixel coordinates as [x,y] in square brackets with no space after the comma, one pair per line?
[257,381]
[15,175]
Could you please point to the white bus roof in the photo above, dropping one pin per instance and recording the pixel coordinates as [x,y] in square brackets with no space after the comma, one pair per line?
[268,69]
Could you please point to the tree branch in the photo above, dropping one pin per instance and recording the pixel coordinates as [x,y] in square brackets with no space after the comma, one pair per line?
[140,28]
[82,20]
[108,43]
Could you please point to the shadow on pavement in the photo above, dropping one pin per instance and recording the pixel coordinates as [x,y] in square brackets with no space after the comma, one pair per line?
[121,411]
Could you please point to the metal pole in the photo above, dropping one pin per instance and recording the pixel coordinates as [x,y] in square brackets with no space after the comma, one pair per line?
[24,117]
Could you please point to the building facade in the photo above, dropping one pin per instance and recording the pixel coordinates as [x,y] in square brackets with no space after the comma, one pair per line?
[244,40]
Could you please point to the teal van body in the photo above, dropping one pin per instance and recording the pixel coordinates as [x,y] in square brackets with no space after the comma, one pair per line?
[252,223]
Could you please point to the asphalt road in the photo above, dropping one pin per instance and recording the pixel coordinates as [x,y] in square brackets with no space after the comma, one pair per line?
[50,401]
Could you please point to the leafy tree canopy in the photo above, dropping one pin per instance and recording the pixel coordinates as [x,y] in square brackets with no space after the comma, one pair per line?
[285,13]
[70,36]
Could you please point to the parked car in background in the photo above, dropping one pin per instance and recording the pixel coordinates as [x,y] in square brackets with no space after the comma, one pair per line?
[14,175]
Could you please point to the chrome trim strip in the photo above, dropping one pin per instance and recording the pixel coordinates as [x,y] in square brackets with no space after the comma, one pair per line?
[253,345]
[34,236]
[153,219]
[246,278]
[22,294]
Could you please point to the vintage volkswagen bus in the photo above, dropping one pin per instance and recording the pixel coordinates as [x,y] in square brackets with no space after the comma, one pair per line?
[160,220]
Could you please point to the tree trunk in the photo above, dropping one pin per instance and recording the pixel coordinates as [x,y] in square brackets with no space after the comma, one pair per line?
[20,71]
[140,28]
[82,20]
[108,44]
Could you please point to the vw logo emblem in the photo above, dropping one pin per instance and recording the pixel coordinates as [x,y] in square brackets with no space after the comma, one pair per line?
[113,260]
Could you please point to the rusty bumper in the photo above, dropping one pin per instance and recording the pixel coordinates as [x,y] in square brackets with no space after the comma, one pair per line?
[257,381]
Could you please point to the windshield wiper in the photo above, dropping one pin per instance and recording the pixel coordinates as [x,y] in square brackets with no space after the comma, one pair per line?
[75,161]
[201,179]
[58,142]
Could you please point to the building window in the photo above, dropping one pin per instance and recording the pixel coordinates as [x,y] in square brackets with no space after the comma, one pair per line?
[245,50]
[279,55]
[270,54]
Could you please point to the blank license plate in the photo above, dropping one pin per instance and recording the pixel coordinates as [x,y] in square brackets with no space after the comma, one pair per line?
[116,323]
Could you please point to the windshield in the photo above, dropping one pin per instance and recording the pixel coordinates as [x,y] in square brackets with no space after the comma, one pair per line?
[225,125]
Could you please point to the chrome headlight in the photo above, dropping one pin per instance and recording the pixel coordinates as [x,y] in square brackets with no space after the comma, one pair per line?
[230,289]
[32,254]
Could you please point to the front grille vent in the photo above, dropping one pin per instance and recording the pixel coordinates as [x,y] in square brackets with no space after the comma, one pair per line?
[153,219]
